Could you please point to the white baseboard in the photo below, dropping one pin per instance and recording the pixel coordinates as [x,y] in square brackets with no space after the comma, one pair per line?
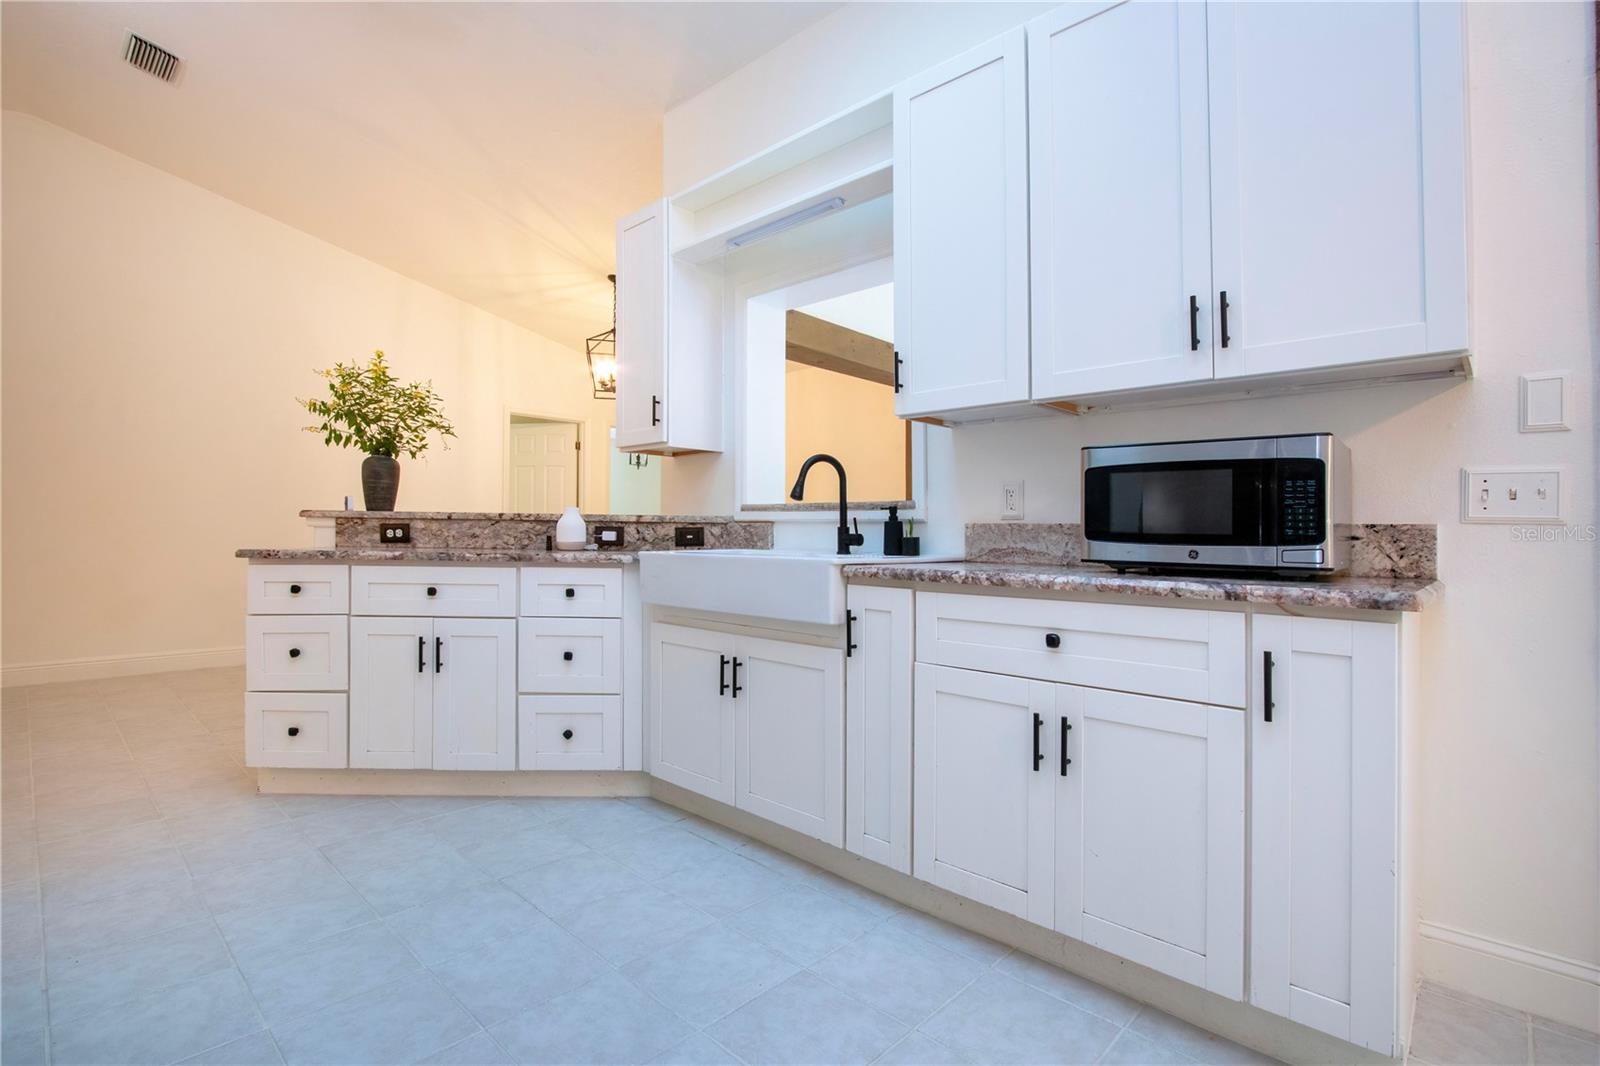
[1540,982]
[279,781]
[94,669]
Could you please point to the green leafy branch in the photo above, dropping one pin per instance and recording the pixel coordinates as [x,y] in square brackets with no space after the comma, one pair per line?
[368,408]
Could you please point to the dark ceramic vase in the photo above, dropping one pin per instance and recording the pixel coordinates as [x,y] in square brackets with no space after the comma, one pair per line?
[380,481]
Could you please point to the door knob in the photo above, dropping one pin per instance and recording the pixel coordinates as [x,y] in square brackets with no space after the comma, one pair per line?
[294,653]
[294,731]
[566,734]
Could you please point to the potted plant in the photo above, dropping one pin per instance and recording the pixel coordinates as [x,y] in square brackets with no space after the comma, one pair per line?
[368,408]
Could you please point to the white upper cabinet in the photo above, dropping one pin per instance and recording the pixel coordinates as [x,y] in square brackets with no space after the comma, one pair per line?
[961,232]
[1120,198]
[1338,183]
[1325,816]
[669,342]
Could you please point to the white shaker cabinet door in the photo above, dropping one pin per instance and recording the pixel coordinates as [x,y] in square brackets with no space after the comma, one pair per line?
[789,735]
[691,709]
[1150,832]
[961,231]
[391,693]
[1338,183]
[1324,819]
[474,694]
[878,670]
[983,798]
[642,327]
[1119,198]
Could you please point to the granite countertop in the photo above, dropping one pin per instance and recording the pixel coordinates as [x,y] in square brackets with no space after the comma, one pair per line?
[438,555]
[1353,593]
[503,516]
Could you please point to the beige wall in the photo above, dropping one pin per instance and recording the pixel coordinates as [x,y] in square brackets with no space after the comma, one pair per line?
[155,338]
[1510,877]
[852,420]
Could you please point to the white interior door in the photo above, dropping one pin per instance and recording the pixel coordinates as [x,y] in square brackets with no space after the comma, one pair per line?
[878,725]
[475,694]
[982,801]
[1337,156]
[1119,197]
[391,693]
[789,736]
[961,231]
[544,467]
[1324,818]
[691,709]
[1150,833]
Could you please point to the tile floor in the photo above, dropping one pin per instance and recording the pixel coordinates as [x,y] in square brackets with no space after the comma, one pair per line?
[156,910]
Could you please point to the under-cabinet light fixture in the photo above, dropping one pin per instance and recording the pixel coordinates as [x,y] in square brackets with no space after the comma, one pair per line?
[789,221]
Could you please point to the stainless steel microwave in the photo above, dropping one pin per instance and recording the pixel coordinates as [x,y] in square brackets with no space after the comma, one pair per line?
[1267,503]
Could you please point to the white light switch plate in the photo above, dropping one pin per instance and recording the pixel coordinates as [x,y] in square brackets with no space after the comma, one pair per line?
[1522,494]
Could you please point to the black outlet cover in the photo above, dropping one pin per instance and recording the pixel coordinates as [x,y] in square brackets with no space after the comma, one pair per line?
[608,537]
[689,536]
[395,532]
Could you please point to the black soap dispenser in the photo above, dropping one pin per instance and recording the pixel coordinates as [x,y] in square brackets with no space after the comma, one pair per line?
[894,533]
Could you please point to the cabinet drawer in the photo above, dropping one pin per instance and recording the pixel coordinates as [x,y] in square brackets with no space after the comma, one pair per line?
[1158,651]
[434,591]
[295,729]
[316,588]
[299,653]
[569,732]
[569,655]
[572,591]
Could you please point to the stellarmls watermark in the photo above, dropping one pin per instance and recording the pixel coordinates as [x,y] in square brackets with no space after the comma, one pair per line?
[1552,534]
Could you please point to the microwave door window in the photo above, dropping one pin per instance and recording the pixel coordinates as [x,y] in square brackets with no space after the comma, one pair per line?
[1178,504]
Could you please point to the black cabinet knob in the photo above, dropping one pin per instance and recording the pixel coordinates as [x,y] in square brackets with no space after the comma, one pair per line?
[294,590]
[566,656]
[571,593]
[294,731]
[294,653]
[1052,640]
[566,734]
[432,591]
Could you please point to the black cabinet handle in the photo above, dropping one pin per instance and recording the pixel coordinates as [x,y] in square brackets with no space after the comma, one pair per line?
[1038,756]
[438,654]
[1266,686]
[1222,302]
[849,633]
[432,591]
[566,656]
[1066,727]
[897,362]
[422,647]
[1052,640]
[294,731]
[572,594]
[736,687]
[566,734]
[1194,323]
[294,653]
[294,590]
[722,676]
[655,410]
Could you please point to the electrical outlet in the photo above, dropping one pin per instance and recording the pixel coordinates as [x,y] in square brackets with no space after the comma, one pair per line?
[395,532]
[689,536]
[1510,494]
[1011,501]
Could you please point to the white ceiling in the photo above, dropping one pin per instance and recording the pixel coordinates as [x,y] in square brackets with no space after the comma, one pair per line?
[484,149]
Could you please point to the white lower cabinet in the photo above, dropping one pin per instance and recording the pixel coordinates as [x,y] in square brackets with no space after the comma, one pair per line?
[429,693]
[753,722]
[569,732]
[299,729]
[1149,823]
[1324,890]
[983,803]
[877,794]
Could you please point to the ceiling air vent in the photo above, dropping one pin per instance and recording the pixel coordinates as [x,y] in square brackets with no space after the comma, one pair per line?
[151,58]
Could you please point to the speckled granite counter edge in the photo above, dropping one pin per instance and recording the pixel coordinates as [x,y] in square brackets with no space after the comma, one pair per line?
[436,555]
[1360,594]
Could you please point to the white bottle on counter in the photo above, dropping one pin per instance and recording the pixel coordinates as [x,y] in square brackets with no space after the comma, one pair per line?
[572,533]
